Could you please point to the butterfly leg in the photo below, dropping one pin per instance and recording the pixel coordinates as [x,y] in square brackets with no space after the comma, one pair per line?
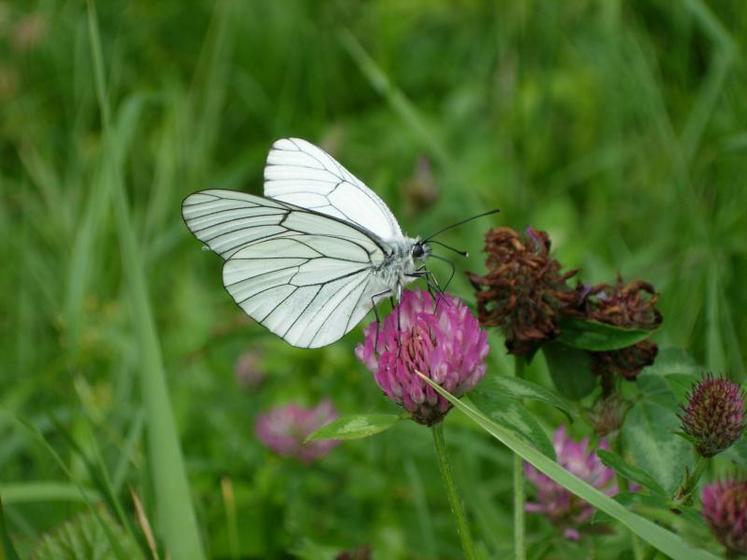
[434,289]
[376,315]
[430,279]
[436,285]
[429,284]
[399,322]
[451,275]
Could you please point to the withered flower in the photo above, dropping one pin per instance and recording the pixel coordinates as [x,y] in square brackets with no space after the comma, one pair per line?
[524,291]
[626,362]
[630,306]
[608,414]
[420,190]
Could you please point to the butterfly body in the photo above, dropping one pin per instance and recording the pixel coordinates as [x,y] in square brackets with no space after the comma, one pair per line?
[402,264]
[315,254]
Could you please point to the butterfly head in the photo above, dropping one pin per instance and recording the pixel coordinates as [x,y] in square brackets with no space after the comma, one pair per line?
[420,250]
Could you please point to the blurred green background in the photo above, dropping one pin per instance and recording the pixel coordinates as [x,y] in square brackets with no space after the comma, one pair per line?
[619,127]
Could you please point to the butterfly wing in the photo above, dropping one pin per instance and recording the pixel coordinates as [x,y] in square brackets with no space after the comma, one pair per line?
[226,220]
[307,277]
[302,174]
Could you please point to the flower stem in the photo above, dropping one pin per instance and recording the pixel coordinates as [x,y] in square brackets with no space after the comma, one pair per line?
[684,494]
[455,502]
[519,490]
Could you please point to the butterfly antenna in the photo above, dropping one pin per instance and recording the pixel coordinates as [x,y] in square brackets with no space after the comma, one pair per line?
[450,248]
[439,232]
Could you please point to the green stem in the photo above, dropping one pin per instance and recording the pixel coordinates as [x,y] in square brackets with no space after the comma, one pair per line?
[454,501]
[519,489]
[684,494]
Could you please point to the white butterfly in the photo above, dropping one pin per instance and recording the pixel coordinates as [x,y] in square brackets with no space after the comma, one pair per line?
[312,258]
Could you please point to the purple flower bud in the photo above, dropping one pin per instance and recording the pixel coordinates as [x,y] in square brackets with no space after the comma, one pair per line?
[442,341]
[284,428]
[725,510]
[566,510]
[714,414]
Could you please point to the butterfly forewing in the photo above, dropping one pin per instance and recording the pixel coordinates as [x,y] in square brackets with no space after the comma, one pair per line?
[302,174]
[226,220]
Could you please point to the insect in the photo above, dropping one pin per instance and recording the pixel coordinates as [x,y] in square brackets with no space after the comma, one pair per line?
[312,257]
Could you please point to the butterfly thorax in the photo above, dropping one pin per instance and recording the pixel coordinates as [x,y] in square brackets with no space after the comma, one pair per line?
[403,259]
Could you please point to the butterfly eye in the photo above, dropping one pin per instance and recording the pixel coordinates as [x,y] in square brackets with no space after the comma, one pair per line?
[418,251]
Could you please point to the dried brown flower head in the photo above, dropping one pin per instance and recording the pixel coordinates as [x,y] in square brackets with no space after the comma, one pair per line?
[630,306]
[524,291]
[420,190]
[626,362]
[608,414]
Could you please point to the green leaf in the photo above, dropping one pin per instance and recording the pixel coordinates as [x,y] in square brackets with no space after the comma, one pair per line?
[598,337]
[658,537]
[737,453]
[631,472]
[649,430]
[570,370]
[518,388]
[654,388]
[515,416]
[87,537]
[672,360]
[680,385]
[355,426]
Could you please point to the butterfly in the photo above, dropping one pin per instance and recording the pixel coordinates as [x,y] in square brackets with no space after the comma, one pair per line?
[311,258]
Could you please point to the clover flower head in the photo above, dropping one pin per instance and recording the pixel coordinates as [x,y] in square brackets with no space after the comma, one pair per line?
[524,292]
[725,511]
[284,429]
[564,509]
[713,415]
[440,339]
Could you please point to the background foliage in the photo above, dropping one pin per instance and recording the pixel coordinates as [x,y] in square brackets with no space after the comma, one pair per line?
[619,127]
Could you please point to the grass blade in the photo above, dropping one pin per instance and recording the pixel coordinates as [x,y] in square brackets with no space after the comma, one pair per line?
[9,550]
[178,523]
